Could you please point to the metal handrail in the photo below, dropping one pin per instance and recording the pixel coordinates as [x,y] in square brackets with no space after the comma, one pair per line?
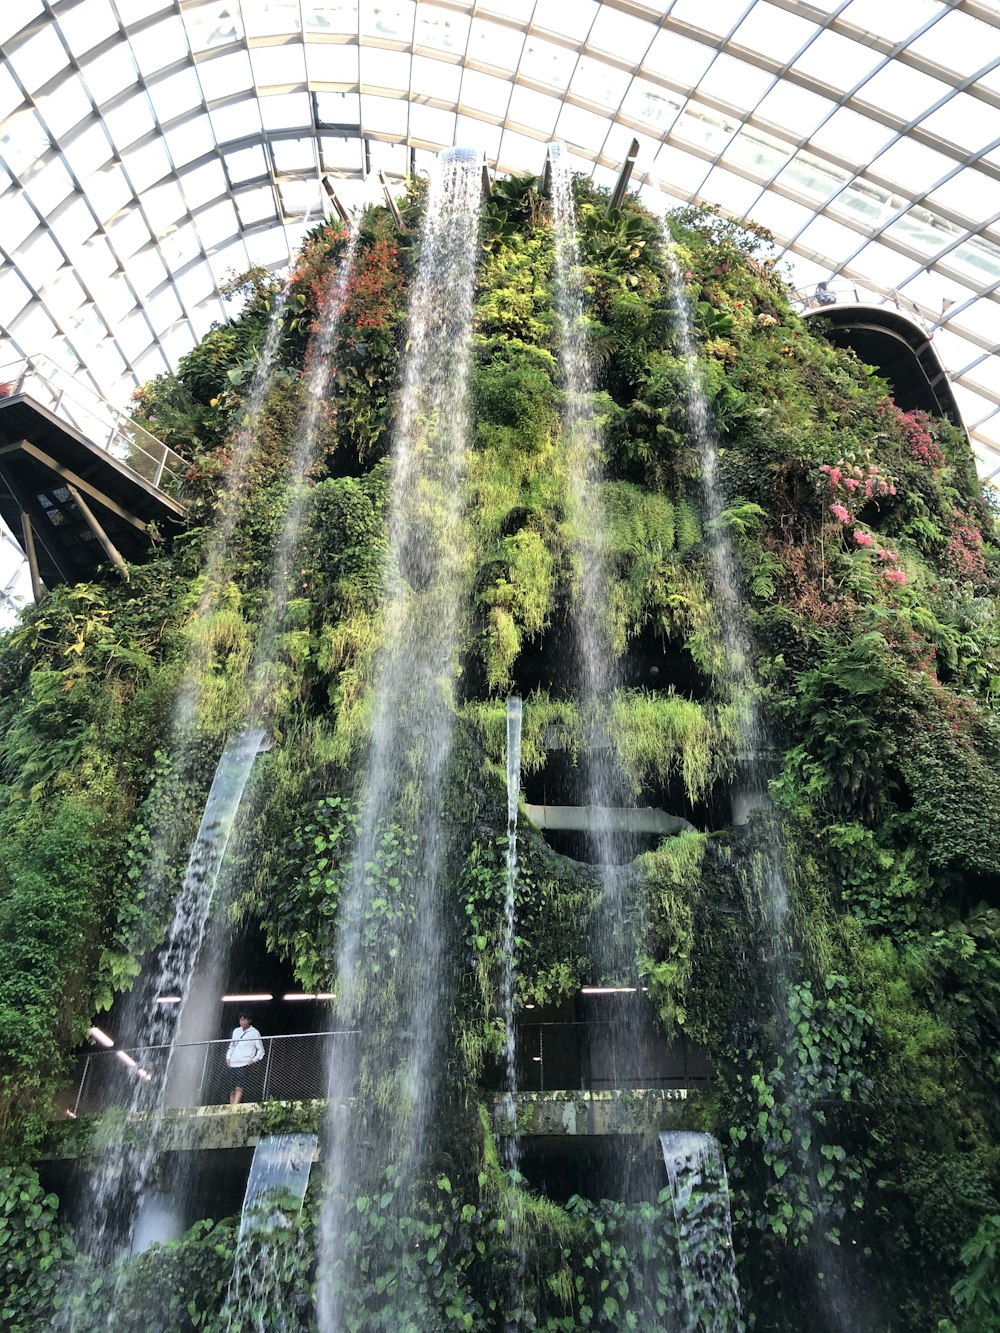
[823,295]
[191,1077]
[567,1056]
[99,421]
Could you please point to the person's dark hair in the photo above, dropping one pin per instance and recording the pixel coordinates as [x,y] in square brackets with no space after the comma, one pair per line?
[244,1014]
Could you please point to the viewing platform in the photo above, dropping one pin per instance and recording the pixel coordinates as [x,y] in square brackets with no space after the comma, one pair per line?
[574,1079]
[80,482]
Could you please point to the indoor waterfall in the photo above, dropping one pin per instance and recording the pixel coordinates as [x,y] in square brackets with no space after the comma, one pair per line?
[766,874]
[508,1107]
[391,951]
[272,1245]
[121,1175]
[699,1192]
[179,1012]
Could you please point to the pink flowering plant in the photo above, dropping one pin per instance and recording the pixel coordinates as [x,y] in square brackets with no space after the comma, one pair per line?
[964,556]
[916,431]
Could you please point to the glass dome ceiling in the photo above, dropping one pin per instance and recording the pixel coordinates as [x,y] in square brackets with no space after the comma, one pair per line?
[148,148]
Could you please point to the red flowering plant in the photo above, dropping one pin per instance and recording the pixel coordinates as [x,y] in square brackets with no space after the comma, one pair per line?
[964,556]
[916,427]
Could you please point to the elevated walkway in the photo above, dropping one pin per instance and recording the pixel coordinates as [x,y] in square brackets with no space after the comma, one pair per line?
[80,482]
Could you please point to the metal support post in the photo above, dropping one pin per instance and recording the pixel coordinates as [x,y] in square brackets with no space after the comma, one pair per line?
[37,588]
[110,549]
[626,172]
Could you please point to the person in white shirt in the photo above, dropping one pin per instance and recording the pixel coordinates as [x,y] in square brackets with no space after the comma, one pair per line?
[245,1049]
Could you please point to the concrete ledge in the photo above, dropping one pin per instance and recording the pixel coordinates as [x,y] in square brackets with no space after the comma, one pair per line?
[615,819]
[622,1111]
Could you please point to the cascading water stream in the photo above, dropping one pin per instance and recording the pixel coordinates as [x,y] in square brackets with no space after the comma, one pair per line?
[508,1107]
[509,978]
[393,987]
[272,1248]
[596,664]
[119,1186]
[768,870]
[122,1173]
[699,1191]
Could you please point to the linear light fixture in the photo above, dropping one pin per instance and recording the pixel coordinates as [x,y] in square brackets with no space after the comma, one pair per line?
[126,1059]
[309,995]
[168,999]
[607,990]
[260,997]
[101,1038]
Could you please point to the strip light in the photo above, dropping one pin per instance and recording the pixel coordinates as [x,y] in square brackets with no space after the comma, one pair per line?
[309,995]
[168,999]
[126,1059]
[101,1038]
[260,998]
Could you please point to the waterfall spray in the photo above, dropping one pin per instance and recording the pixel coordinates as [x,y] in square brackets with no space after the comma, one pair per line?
[401,1045]
[598,675]
[768,866]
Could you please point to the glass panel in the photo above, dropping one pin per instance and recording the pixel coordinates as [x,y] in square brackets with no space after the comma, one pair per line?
[223,75]
[441,29]
[596,82]
[66,106]
[852,135]
[518,153]
[162,44]
[959,42]
[216,223]
[810,176]
[774,32]
[87,150]
[255,205]
[175,94]
[191,139]
[719,17]
[581,128]
[892,21]
[902,91]
[758,153]
[272,18]
[285,111]
[703,128]
[491,44]
[433,78]
[331,64]
[734,193]
[330,16]
[203,183]
[838,60]
[129,233]
[621,35]
[886,266]
[294,155]
[146,165]
[39,258]
[87,24]
[486,93]
[977,259]
[50,186]
[278,64]
[970,192]
[388,19]
[130,120]
[236,121]
[210,26]
[954,120]
[735,82]
[110,73]
[41,57]
[787,105]
[433,126]
[678,58]
[651,104]
[570,21]
[545,63]
[911,165]
[385,69]
[382,115]
[108,190]
[16,14]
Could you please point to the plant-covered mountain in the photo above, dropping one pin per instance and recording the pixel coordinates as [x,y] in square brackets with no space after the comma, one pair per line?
[861,1124]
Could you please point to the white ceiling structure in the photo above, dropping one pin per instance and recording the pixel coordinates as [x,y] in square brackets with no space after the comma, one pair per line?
[150,148]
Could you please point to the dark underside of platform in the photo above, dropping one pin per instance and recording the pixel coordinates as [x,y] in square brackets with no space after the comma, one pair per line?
[42,459]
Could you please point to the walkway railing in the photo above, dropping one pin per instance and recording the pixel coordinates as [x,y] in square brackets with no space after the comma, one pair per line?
[552,1057]
[294,1068]
[97,420]
[822,295]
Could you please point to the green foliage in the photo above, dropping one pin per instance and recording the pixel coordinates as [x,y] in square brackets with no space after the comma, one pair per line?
[977,1292]
[34,1250]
